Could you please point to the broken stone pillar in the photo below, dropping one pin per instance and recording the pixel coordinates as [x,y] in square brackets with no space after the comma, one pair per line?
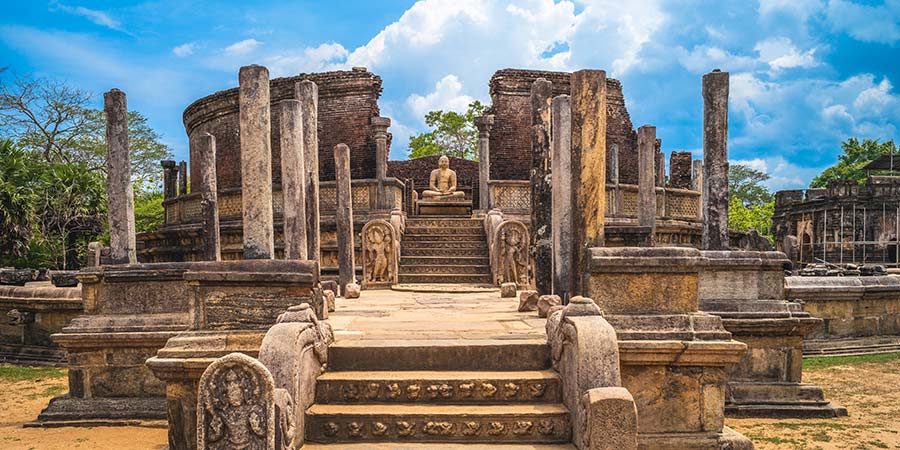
[308,93]
[613,164]
[561,219]
[715,160]
[182,178]
[484,125]
[209,201]
[381,124]
[697,180]
[343,217]
[119,191]
[256,163]
[541,189]
[588,165]
[170,179]
[646,185]
[293,186]
[660,169]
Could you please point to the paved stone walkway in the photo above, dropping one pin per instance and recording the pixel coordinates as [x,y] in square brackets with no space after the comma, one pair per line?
[394,315]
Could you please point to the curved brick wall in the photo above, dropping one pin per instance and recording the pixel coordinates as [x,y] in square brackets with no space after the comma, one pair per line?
[347,102]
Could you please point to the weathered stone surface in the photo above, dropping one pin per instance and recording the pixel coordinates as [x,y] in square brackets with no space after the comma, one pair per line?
[561,218]
[508,290]
[646,186]
[484,125]
[680,170]
[352,290]
[528,301]
[697,181]
[343,216]
[510,252]
[381,254]
[541,189]
[328,294]
[588,164]
[308,93]
[64,278]
[17,277]
[381,124]
[546,303]
[119,191]
[205,149]
[612,421]
[715,160]
[236,405]
[330,285]
[256,163]
[293,179]
[170,178]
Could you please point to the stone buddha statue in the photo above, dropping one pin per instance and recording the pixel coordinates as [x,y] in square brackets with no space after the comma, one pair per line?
[442,185]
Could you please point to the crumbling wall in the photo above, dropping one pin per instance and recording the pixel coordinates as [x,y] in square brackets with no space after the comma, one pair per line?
[680,170]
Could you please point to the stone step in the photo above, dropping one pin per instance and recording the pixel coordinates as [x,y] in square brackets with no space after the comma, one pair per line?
[443,244]
[445,230]
[445,259]
[481,252]
[446,355]
[509,423]
[433,278]
[444,387]
[451,268]
[437,446]
[415,237]
[443,222]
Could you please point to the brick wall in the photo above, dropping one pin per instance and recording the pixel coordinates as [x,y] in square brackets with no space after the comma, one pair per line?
[347,102]
[680,170]
[419,170]
[511,136]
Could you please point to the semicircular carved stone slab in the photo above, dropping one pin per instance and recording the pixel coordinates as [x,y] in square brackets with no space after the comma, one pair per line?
[381,254]
[236,405]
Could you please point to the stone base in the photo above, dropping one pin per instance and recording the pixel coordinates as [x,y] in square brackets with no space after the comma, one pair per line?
[444,208]
[728,439]
[852,346]
[779,400]
[91,412]
[32,355]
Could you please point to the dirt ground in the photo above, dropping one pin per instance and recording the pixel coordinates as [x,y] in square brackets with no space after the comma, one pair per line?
[867,386]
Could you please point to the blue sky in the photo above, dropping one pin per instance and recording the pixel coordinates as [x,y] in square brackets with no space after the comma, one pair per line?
[805,74]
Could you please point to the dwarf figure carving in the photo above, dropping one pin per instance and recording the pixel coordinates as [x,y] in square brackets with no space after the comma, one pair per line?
[236,405]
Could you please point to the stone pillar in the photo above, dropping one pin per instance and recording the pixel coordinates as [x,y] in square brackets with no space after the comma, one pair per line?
[613,164]
[697,180]
[381,124]
[484,125]
[541,197]
[561,219]
[256,163]
[209,201]
[588,165]
[182,178]
[119,191]
[715,160]
[343,216]
[660,167]
[646,185]
[170,179]
[308,93]
[293,174]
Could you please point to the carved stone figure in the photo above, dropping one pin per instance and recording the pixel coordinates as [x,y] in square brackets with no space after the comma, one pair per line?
[442,184]
[511,260]
[236,405]
[380,254]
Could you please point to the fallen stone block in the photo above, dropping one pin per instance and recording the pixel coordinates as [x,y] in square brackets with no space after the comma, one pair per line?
[528,301]
[329,299]
[546,302]
[352,290]
[508,290]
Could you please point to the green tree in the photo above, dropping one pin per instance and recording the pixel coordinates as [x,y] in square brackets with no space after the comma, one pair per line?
[850,164]
[452,134]
[16,199]
[149,213]
[750,203]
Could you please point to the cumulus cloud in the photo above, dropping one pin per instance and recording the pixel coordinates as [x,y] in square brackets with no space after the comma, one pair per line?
[185,49]
[780,53]
[446,96]
[328,56]
[96,16]
[242,47]
[868,23]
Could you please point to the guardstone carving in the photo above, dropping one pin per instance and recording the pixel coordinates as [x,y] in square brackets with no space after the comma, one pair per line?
[381,254]
[511,263]
[236,405]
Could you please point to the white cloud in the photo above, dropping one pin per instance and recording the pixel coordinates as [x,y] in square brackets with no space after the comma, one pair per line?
[447,96]
[780,53]
[328,56]
[242,47]
[97,17]
[866,23]
[185,49]
[783,174]
[797,8]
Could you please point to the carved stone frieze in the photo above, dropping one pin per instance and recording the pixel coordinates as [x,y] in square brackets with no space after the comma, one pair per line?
[450,391]
[441,429]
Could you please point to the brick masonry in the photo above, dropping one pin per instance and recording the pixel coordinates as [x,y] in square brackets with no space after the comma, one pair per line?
[680,170]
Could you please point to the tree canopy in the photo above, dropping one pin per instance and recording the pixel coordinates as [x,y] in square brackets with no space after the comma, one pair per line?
[750,203]
[850,164]
[452,134]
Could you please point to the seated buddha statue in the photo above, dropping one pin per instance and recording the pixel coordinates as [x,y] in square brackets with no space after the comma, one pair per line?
[442,184]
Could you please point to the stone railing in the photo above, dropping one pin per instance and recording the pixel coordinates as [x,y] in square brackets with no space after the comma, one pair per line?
[186,208]
[511,196]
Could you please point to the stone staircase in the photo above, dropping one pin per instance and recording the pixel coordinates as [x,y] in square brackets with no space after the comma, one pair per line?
[438,395]
[444,250]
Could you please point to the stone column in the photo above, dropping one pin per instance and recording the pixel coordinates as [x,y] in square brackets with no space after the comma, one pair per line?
[343,216]
[613,164]
[170,179]
[484,125]
[561,219]
[646,185]
[697,177]
[293,174]
[588,165]
[660,167]
[119,191]
[256,163]
[381,124]
[182,178]
[715,160]
[209,201]
[308,93]
[541,197]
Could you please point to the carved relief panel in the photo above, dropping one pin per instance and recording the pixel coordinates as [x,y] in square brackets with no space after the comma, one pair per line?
[511,261]
[381,254]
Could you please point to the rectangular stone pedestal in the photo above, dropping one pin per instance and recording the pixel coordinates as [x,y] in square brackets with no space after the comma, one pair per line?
[444,207]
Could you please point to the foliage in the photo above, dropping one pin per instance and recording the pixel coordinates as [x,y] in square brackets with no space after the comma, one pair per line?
[452,134]
[16,199]
[850,165]
[149,213]
[750,204]
[757,217]
[56,121]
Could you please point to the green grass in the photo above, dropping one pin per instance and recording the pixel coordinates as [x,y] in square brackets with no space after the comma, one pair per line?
[16,373]
[832,361]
